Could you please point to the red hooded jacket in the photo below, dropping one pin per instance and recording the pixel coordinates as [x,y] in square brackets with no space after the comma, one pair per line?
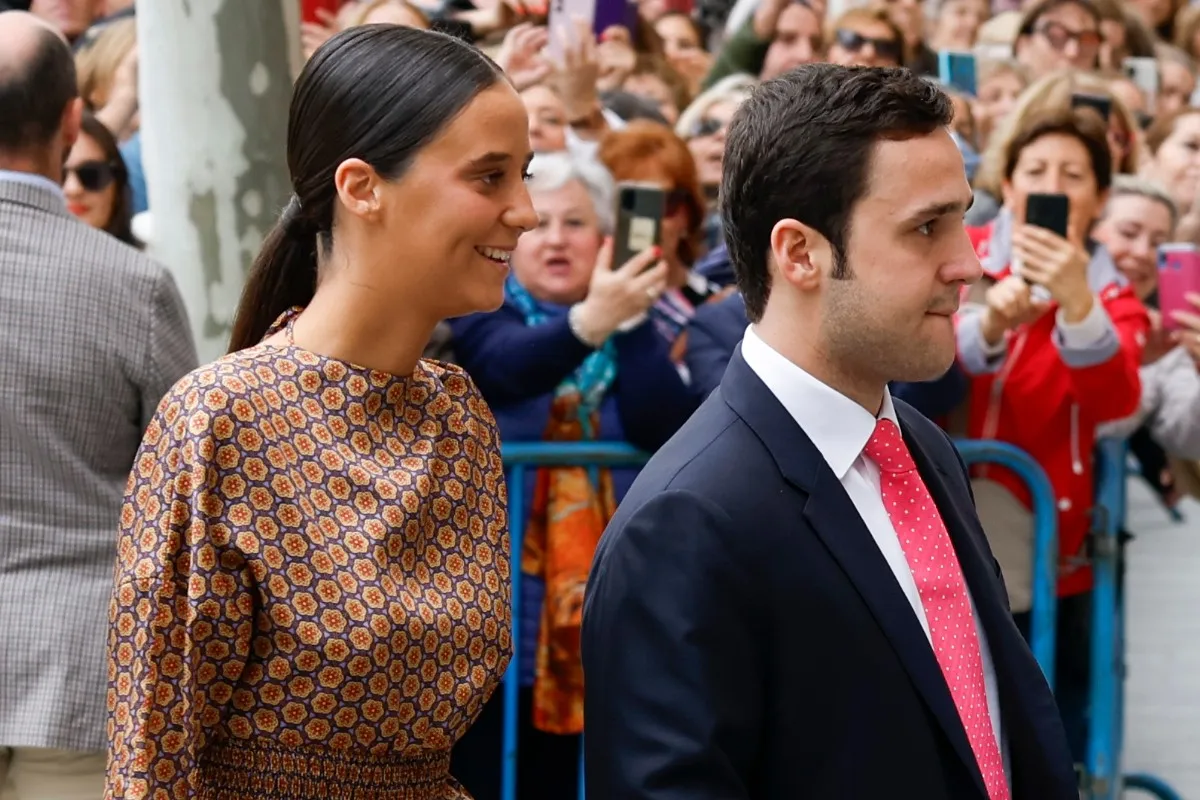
[1050,410]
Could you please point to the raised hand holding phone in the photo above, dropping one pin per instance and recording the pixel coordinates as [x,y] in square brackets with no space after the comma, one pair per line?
[1058,266]
[617,295]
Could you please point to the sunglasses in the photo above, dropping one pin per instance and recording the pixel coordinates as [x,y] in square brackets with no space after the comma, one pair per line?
[93,176]
[1060,35]
[854,42]
[707,127]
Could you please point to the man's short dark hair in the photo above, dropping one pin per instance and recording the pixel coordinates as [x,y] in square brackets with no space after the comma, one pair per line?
[34,92]
[800,148]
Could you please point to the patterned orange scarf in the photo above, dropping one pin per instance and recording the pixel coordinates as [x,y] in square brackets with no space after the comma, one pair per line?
[567,517]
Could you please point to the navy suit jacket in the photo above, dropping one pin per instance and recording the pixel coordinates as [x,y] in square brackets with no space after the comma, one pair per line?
[717,328]
[744,638]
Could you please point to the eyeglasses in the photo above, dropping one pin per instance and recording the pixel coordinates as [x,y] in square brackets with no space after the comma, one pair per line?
[854,42]
[1059,36]
[707,127]
[93,176]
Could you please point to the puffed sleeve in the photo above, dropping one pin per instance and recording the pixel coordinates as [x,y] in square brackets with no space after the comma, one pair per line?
[182,612]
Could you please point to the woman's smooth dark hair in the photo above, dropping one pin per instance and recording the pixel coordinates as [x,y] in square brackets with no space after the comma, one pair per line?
[120,222]
[344,105]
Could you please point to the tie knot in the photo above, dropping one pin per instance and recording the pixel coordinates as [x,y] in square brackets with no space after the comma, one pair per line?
[887,448]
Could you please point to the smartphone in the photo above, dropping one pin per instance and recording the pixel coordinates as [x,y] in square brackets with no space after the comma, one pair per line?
[600,15]
[1101,105]
[957,70]
[1048,211]
[1178,274]
[640,211]
[1144,74]
[562,20]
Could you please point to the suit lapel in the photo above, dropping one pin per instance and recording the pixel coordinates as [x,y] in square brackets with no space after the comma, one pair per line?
[839,526]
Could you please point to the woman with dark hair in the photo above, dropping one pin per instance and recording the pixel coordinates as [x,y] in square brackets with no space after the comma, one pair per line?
[313,577]
[96,182]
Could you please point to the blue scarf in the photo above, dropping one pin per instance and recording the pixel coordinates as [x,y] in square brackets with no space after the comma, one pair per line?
[592,379]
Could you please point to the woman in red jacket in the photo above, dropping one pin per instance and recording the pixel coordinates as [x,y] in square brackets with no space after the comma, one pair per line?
[1053,350]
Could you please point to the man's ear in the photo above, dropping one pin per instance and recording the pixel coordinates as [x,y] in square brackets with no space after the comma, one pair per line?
[801,255]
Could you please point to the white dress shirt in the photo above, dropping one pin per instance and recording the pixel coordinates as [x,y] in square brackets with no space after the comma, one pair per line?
[840,428]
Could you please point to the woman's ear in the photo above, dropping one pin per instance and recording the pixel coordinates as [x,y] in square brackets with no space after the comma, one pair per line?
[357,185]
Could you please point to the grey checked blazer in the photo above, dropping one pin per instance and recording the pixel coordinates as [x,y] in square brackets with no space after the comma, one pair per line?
[92,335]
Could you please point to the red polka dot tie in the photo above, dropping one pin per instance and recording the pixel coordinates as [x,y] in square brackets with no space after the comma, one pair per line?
[939,579]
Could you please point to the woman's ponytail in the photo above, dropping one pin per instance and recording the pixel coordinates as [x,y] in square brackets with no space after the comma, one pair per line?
[283,275]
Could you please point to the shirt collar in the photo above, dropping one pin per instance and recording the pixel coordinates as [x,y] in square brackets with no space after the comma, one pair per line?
[837,426]
[32,179]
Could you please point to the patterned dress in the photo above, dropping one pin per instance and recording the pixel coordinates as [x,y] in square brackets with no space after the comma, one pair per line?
[312,584]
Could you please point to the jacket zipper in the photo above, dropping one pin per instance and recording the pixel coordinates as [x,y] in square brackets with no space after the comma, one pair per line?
[1076,458]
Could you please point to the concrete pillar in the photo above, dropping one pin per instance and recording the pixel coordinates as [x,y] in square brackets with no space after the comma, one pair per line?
[215,81]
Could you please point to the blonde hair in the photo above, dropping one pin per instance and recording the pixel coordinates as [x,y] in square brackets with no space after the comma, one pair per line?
[1052,92]
[1187,23]
[734,89]
[1134,186]
[990,68]
[96,65]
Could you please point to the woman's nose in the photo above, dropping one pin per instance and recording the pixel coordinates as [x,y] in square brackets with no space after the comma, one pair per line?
[555,233]
[1052,183]
[1143,249]
[71,185]
[521,214]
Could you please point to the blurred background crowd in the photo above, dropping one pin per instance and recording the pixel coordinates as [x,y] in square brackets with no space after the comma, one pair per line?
[1061,103]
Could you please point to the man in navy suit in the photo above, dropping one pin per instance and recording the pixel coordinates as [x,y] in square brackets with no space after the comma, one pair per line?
[795,599]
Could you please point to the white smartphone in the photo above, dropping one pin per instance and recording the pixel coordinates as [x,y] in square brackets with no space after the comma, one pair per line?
[1144,74]
[563,22]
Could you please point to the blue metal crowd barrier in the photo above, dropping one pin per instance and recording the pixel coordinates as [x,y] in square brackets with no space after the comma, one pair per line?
[1044,609]
[1102,779]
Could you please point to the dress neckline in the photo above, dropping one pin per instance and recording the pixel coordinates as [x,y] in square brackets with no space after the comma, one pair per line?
[381,379]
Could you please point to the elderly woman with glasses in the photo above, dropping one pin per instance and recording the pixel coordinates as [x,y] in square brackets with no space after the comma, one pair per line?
[572,355]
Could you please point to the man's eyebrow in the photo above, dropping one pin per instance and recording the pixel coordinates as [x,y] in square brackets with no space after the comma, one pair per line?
[933,210]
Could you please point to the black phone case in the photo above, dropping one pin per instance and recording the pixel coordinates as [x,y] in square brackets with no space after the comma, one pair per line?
[640,212]
[1048,211]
